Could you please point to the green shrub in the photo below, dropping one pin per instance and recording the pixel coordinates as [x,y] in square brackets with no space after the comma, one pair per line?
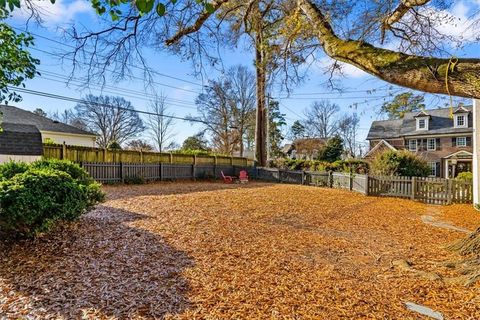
[400,163]
[34,197]
[9,169]
[73,169]
[33,201]
[465,176]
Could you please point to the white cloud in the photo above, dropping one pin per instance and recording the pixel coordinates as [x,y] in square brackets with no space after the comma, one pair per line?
[457,21]
[59,13]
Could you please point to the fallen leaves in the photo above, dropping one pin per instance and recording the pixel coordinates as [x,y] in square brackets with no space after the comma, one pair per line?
[209,250]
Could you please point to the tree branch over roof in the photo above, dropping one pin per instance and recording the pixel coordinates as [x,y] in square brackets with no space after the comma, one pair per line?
[428,74]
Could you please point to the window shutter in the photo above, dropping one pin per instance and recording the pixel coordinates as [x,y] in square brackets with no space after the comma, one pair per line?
[437,171]
[469,141]
[454,142]
[424,144]
[438,145]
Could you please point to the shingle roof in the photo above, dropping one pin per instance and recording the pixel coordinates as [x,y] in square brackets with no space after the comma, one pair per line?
[20,139]
[19,116]
[440,123]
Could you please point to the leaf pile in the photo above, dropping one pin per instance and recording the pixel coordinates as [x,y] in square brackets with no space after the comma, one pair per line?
[209,250]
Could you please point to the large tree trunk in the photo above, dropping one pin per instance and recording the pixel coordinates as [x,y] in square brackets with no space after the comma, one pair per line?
[416,72]
[261,116]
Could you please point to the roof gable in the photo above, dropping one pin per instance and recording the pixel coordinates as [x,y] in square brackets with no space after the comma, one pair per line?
[14,115]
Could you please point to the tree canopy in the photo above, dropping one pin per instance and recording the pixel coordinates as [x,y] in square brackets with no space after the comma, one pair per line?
[16,63]
[401,104]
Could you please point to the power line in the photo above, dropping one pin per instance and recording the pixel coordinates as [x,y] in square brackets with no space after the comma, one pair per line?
[116,72]
[71,99]
[130,65]
[116,90]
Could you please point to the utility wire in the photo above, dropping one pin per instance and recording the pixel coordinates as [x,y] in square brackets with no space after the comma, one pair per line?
[128,64]
[71,99]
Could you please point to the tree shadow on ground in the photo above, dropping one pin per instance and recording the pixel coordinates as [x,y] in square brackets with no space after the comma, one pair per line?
[100,266]
[163,188]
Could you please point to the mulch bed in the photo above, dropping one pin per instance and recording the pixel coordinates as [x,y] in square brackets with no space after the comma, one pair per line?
[215,251]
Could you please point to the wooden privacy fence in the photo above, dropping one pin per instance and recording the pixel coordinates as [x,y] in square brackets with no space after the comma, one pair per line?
[119,172]
[86,154]
[427,190]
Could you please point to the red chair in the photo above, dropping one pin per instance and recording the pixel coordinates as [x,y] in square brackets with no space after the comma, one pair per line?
[243,176]
[227,179]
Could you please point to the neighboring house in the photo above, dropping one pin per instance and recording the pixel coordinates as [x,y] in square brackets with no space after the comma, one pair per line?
[50,130]
[444,142]
[305,148]
[20,142]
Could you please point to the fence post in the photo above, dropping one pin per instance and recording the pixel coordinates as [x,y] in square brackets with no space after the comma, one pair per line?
[330,179]
[171,157]
[303,177]
[414,187]
[367,184]
[141,156]
[214,167]
[104,154]
[64,151]
[350,181]
[279,178]
[231,161]
[161,171]
[121,173]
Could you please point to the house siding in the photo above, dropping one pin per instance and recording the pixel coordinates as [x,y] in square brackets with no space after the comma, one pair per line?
[72,140]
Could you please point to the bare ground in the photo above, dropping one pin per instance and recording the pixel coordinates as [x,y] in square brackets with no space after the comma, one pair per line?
[214,251]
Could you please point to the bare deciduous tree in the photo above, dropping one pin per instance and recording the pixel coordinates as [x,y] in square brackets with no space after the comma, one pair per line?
[160,124]
[320,119]
[348,130]
[113,119]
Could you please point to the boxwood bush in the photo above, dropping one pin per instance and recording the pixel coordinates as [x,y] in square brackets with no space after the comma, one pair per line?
[43,193]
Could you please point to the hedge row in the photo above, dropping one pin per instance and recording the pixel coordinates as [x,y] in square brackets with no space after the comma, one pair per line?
[351,165]
[34,197]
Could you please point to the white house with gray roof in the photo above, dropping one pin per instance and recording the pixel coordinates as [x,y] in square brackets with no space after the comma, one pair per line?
[24,132]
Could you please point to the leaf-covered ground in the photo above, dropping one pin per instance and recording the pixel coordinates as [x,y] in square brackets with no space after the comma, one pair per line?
[215,251]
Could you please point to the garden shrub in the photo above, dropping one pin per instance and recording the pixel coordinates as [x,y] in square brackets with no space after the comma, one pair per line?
[465,176]
[9,169]
[31,202]
[73,169]
[400,163]
[46,192]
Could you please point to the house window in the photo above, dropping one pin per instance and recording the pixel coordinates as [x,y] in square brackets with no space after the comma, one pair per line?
[461,142]
[412,145]
[422,123]
[433,169]
[460,121]
[432,144]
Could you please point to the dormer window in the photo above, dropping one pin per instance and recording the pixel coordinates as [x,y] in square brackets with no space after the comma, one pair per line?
[460,121]
[460,117]
[423,120]
[422,124]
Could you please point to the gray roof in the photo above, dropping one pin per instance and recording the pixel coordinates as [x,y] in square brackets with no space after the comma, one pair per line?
[440,123]
[20,139]
[16,115]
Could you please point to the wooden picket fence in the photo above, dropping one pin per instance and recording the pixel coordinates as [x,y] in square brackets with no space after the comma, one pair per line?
[98,155]
[427,190]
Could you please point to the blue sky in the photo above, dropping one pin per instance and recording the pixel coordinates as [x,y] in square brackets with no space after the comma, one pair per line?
[367,92]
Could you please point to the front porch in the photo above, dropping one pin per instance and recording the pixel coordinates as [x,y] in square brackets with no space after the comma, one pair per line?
[456,163]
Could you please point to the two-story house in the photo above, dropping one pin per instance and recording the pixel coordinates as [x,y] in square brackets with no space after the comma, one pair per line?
[445,142]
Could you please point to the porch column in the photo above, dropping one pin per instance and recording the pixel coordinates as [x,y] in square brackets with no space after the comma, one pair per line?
[476,152]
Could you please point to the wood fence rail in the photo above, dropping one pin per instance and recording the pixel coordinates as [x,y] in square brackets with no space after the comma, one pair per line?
[119,172]
[98,155]
[427,190]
